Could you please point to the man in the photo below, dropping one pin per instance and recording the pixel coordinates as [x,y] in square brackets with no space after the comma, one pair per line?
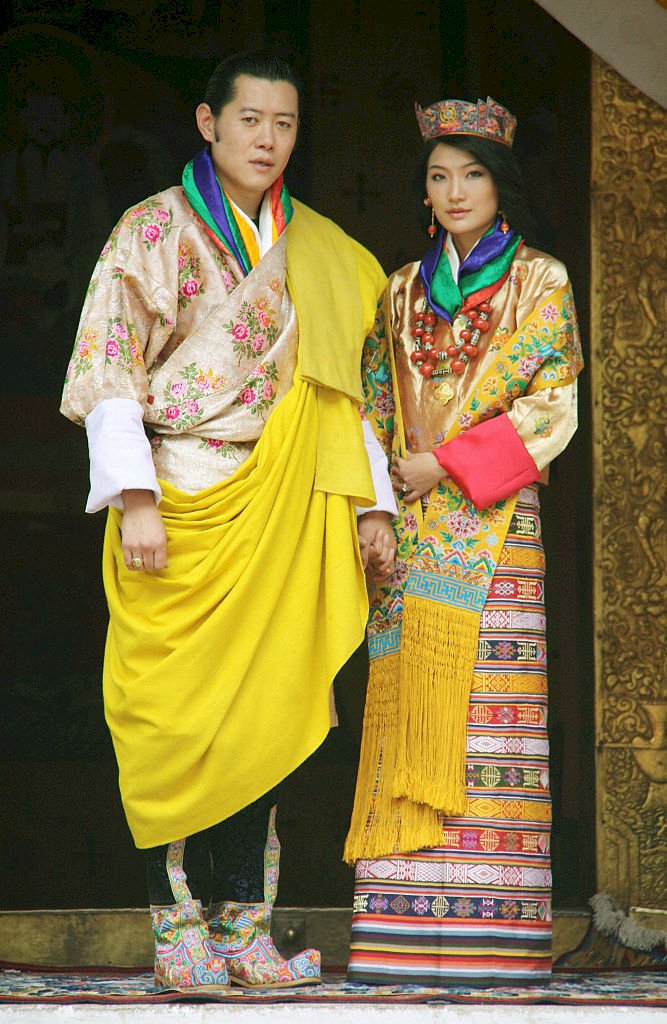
[229,321]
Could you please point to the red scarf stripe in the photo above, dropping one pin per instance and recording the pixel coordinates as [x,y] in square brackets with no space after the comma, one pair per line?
[484,293]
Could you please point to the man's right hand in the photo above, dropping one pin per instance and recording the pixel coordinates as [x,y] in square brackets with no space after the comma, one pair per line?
[144,537]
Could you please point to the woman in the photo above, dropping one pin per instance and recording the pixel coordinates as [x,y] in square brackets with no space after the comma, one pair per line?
[471,386]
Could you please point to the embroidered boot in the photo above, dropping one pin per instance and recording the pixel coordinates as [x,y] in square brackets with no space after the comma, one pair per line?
[241,933]
[184,956]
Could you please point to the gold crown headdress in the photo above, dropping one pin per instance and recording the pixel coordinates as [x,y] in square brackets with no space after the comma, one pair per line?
[489,120]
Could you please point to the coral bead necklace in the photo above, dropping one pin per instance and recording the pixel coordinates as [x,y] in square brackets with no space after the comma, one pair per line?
[426,356]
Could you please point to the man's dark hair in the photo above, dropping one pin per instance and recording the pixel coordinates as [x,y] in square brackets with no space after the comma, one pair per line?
[266,64]
[501,164]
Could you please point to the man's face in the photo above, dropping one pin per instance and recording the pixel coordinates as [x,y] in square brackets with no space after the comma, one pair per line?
[252,138]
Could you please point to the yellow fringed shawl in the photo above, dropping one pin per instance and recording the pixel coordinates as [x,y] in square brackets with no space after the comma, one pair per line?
[218,669]
[424,630]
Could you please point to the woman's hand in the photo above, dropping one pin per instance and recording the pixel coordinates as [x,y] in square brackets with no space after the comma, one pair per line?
[143,534]
[377,543]
[419,473]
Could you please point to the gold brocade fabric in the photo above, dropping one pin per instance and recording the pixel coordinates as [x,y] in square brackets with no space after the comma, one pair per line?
[545,418]
[424,620]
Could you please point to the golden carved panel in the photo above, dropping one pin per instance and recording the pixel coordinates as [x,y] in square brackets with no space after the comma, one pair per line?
[629,372]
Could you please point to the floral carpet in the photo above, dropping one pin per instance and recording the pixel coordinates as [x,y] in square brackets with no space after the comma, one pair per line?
[114,986]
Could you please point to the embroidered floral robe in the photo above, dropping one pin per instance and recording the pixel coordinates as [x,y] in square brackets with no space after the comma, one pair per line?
[545,419]
[170,321]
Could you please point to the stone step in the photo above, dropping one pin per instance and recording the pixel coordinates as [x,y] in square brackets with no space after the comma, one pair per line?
[122,938]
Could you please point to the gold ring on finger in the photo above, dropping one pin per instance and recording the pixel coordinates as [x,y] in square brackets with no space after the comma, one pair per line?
[137,563]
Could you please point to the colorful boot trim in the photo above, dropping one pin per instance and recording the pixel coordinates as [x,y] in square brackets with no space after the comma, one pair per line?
[184,955]
[240,934]
[184,958]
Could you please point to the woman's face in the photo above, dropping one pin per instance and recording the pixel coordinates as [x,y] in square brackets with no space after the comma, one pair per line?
[463,193]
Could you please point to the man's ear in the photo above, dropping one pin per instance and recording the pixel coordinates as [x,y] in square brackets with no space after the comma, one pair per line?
[205,122]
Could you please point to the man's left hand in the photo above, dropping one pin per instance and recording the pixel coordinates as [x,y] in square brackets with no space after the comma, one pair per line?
[377,543]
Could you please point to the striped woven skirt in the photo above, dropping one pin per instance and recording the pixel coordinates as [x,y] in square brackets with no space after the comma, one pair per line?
[477,909]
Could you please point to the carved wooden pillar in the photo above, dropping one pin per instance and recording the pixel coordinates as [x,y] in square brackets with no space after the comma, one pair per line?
[629,370]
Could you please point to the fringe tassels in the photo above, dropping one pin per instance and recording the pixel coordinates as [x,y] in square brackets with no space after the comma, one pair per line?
[610,919]
[380,824]
[437,660]
[413,752]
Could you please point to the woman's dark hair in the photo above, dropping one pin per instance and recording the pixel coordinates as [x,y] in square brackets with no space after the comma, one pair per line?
[266,64]
[501,164]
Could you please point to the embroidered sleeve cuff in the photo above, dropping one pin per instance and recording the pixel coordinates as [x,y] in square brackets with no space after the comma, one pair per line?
[120,453]
[488,462]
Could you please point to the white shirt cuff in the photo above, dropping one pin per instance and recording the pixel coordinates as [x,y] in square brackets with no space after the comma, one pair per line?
[384,492]
[120,453]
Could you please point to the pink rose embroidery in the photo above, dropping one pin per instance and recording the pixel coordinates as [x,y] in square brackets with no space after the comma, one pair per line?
[192,406]
[258,342]
[83,349]
[120,330]
[410,521]
[248,396]
[190,287]
[227,279]
[152,232]
[263,318]
[173,412]
[400,573]
[180,262]
[267,390]
[162,215]
[240,332]
[384,404]
[527,367]
[179,387]
[463,526]
[113,348]
[203,383]
[214,442]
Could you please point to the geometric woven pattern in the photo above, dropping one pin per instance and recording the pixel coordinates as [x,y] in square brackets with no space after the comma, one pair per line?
[477,909]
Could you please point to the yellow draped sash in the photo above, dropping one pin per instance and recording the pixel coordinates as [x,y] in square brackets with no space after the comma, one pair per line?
[218,669]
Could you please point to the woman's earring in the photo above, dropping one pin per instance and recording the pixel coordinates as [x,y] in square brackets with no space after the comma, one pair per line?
[432,229]
[504,226]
